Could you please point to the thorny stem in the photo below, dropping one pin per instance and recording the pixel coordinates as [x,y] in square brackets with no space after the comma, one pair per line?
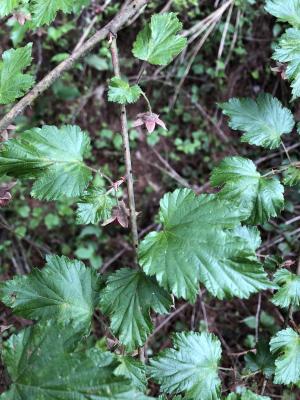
[127,154]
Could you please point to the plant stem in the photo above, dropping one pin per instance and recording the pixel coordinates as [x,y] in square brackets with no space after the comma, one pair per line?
[127,11]
[147,101]
[127,154]
[282,169]
[286,152]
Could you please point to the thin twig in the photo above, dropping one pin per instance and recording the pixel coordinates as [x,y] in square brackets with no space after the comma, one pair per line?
[273,155]
[127,154]
[169,317]
[86,33]
[203,308]
[171,171]
[167,6]
[257,318]
[113,26]
[286,152]
[225,31]
[110,261]
[191,62]
[235,37]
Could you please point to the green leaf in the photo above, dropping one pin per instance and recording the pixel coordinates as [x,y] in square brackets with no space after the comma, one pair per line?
[158,43]
[43,363]
[263,121]
[52,156]
[285,11]
[64,290]
[127,299]
[263,197]
[246,394]
[286,345]
[288,52]
[196,245]
[292,176]
[289,289]
[44,11]
[7,6]
[261,361]
[14,83]
[95,206]
[121,92]
[99,63]
[191,366]
[133,370]
[250,234]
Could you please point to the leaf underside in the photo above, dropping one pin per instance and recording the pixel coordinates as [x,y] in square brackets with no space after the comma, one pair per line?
[288,293]
[285,11]
[286,346]
[288,52]
[263,121]
[191,366]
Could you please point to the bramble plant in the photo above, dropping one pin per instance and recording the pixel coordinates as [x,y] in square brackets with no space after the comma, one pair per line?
[208,240]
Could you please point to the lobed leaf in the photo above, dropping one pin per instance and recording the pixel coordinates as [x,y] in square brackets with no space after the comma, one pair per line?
[64,290]
[261,361]
[263,197]
[119,91]
[44,363]
[7,6]
[196,245]
[288,52]
[95,206]
[191,366]
[13,82]
[246,395]
[286,345]
[133,370]
[44,11]
[51,156]
[127,299]
[263,121]
[292,176]
[285,11]
[288,293]
[158,43]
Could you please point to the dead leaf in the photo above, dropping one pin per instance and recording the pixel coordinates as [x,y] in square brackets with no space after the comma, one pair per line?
[5,195]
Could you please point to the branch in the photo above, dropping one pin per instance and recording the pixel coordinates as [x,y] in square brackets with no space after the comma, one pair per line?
[127,12]
[127,155]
